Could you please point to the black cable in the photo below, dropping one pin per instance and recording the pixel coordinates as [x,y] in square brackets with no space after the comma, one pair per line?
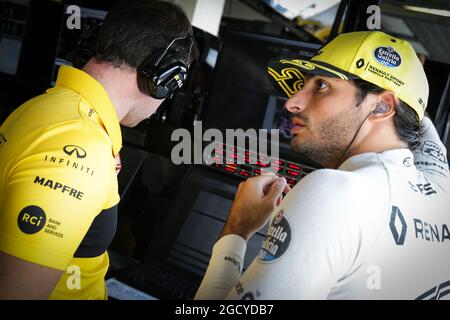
[353,140]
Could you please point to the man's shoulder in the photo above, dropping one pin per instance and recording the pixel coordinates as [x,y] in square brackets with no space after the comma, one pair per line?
[343,182]
[53,118]
[345,193]
[338,200]
[56,103]
[57,108]
[70,147]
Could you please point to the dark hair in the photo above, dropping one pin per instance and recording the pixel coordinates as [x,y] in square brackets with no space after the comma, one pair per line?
[135,29]
[406,121]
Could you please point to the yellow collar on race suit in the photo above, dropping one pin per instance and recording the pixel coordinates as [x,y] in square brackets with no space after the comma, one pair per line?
[97,97]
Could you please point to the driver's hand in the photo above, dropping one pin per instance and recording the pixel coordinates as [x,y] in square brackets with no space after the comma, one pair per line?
[253,204]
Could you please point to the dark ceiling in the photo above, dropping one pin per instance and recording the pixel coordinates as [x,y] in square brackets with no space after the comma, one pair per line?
[430,31]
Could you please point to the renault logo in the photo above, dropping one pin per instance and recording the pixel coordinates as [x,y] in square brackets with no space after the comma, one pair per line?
[79,152]
[398,226]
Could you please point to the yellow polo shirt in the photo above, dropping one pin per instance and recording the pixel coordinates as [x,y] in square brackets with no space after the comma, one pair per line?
[58,184]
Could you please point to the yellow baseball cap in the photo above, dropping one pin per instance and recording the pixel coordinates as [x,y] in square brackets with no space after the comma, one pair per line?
[373,56]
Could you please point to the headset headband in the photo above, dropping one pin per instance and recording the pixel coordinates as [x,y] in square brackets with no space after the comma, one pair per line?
[188,34]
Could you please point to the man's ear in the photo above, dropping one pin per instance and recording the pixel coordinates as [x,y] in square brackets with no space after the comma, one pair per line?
[389,98]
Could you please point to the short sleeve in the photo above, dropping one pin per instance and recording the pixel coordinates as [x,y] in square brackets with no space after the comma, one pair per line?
[53,191]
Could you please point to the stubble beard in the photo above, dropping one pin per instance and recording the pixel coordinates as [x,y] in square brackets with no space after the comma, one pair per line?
[327,143]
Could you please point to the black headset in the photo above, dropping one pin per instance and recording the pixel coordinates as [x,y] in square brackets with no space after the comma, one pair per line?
[165,71]
[161,73]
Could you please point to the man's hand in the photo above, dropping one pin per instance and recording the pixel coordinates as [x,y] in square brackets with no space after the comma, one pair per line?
[254,202]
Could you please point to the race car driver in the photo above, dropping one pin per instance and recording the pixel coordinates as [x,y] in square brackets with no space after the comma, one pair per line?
[374,223]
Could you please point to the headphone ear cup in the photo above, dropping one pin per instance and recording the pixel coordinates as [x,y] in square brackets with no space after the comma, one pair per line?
[162,80]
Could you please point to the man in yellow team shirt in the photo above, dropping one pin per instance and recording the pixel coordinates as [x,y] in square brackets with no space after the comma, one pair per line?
[58,185]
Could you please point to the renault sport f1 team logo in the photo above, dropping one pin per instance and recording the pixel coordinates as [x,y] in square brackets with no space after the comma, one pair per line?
[75,150]
[387,56]
[277,240]
[31,219]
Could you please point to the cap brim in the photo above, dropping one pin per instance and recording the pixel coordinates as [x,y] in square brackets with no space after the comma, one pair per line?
[288,76]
